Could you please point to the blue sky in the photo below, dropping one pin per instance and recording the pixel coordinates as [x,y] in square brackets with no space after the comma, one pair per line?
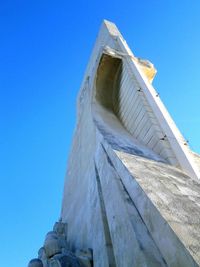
[44,49]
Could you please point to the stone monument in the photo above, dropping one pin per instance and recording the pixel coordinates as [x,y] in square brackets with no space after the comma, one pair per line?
[132,190]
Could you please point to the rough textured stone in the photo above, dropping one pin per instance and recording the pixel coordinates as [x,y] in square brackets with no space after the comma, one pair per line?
[85,257]
[52,244]
[66,260]
[35,263]
[60,228]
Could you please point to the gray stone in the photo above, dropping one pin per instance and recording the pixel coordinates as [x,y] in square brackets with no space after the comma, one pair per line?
[85,257]
[35,263]
[52,244]
[60,228]
[65,260]
[41,253]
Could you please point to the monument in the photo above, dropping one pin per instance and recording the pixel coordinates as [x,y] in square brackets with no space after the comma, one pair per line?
[132,189]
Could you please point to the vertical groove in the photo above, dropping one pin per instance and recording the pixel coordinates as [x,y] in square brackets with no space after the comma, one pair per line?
[109,246]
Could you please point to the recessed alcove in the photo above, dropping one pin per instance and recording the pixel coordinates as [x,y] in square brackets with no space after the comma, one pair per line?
[124,106]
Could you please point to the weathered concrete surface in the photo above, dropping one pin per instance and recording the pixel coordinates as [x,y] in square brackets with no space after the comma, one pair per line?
[172,195]
[196,159]
[132,194]
[126,195]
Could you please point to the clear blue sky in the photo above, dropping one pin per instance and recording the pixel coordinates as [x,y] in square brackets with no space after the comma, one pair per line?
[44,49]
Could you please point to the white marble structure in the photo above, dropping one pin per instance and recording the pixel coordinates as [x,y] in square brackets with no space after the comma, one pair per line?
[132,190]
